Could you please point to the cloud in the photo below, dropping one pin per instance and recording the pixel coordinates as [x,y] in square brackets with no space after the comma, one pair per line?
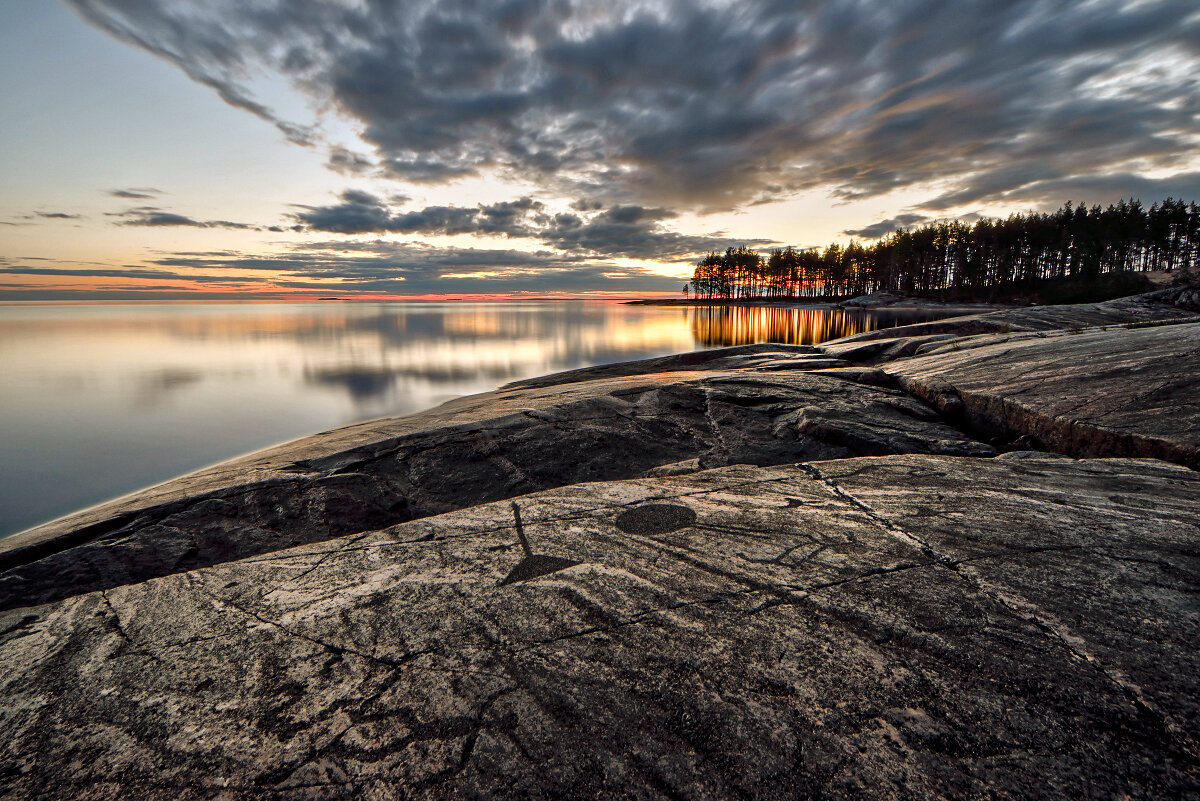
[57,215]
[203,49]
[135,193]
[885,227]
[361,212]
[1103,189]
[348,162]
[381,266]
[133,272]
[710,105]
[152,217]
[621,231]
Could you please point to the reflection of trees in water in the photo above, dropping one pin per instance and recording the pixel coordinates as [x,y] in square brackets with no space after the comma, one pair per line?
[715,326]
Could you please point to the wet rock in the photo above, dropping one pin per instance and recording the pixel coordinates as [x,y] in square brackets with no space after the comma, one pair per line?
[535,438]
[904,627]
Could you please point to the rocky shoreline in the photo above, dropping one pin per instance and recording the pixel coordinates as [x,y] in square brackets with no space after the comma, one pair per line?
[954,559]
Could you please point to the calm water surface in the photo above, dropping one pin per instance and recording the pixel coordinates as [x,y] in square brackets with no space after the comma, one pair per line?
[97,401]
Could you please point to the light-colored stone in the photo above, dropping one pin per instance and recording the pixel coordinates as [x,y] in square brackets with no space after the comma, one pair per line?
[1112,391]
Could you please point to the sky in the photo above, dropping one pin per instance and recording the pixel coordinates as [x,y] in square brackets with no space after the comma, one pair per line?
[167,149]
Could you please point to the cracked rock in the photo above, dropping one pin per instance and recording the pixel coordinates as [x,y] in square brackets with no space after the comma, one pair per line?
[899,627]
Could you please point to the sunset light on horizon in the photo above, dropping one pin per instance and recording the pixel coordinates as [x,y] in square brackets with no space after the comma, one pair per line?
[228,150]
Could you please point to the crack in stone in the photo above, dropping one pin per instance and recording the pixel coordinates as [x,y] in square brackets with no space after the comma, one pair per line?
[121,633]
[391,662]
[325,556]
[634,619]
[882,521]
[1022,609]
[720,447]
[472,737]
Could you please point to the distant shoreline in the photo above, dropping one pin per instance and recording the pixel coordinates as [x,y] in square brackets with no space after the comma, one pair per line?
[847,304]
[789,302]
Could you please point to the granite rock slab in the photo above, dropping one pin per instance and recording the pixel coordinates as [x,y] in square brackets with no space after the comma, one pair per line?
[898,627]
[1108,391]
[1178,304]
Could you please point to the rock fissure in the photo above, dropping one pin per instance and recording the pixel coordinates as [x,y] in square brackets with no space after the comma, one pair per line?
[888,525]
[1074,645]
[1024,610]
[392,662]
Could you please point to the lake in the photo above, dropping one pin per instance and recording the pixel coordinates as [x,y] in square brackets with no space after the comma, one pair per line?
[100,400]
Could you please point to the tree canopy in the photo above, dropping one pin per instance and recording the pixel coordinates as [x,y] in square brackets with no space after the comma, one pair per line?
[1073,242]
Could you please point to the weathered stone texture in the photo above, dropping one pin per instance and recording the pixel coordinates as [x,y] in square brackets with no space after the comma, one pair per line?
[1170,305]
[662,579]
[1097,392]
[895,627]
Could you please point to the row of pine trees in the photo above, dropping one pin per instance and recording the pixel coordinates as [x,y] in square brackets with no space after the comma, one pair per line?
[1073,242]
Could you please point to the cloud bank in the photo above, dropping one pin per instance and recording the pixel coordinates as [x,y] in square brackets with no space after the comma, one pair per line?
[414,268]
[154,217]
[621,231]
[711,105]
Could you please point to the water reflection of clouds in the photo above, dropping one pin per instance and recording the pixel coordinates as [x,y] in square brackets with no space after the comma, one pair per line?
[364,383]
[152,388]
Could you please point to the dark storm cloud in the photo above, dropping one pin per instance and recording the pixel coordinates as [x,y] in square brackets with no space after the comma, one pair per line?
[714,104]
[629,231]
[151,217]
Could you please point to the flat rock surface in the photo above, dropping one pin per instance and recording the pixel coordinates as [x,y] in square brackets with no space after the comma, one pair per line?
[1179,304]
[1097,392]
[898,627]
[474,450]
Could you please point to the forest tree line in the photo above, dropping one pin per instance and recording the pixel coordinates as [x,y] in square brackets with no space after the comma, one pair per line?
[1074,242]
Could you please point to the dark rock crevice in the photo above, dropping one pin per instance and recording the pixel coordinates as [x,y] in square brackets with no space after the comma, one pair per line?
[1084,393]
